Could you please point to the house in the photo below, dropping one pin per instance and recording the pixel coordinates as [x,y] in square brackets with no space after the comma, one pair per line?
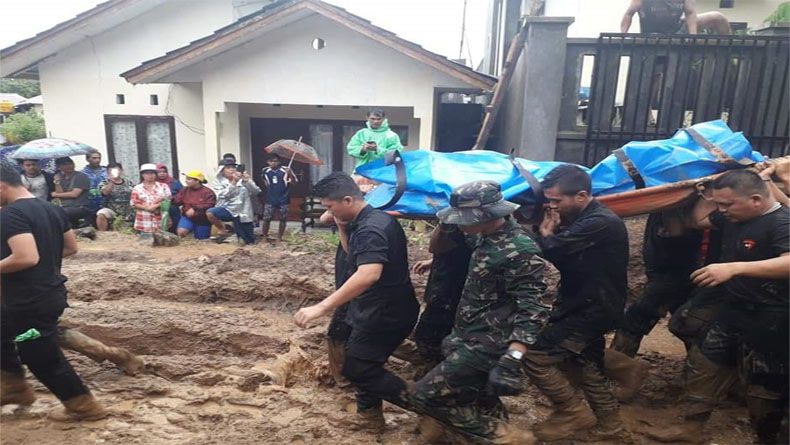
[183,82]
[35,103]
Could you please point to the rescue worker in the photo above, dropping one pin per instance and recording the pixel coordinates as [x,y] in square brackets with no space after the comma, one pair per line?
[446,279]
[499,317]
[589,245]
[672,17]
[750,334]
[671,252]
[383,307]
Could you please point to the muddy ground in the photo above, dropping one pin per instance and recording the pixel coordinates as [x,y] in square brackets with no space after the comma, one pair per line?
[226,364]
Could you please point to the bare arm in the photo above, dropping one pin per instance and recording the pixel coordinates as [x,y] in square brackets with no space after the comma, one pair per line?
[714,274]
[107,189]
[690,12]
[69,244]
[24,254]
[633,8]
[341,231]
[365,277]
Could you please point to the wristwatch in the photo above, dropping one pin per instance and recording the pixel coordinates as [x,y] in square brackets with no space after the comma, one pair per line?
[515,354]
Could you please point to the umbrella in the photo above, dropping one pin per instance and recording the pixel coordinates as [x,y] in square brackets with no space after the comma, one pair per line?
[51,148]
[295,150]
[6,155]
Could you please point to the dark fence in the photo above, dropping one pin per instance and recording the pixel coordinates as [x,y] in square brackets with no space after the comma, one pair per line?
[646,87]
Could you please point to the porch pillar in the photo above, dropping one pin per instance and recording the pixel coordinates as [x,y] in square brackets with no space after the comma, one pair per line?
[543,69]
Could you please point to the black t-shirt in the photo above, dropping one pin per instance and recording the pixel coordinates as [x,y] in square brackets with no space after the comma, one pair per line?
[42,284]
[377,238]
[448,273]
[677,255]
[661,16]
[762,238]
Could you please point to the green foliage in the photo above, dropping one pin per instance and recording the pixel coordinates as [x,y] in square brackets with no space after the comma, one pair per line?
[23,127]
[22,87]
[781,15]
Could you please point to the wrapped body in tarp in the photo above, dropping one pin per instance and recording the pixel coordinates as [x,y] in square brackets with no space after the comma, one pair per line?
[701,150]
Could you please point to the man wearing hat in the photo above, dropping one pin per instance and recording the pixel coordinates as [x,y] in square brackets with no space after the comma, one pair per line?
[194,200]
[499,317]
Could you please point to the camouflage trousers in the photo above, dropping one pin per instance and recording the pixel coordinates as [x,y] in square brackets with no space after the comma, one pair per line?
[725,357]
[454,393]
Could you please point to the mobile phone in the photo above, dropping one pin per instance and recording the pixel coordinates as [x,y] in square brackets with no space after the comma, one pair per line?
[240,168]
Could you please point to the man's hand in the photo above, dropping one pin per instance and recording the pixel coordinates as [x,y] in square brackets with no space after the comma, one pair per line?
[422,266]
[245,177]
[235,178]
[307,314]
[190,213]
[714,274]
[370,146]
[550,223]
[506,378]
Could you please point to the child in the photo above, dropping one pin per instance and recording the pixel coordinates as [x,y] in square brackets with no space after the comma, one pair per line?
[277,180]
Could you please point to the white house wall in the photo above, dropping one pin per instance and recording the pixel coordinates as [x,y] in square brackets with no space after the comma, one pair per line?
[79,84]
[282,67]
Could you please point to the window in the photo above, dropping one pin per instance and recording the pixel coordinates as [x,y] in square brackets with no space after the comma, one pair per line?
[318,43]
[726,3]
[120,99]
[154,99]
[135,140]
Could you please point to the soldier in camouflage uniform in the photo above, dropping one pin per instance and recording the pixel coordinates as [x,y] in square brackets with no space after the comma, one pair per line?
[499,317]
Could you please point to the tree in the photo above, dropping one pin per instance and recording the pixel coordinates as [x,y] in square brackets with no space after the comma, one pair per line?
[22,87]
[23,127]
[781,15]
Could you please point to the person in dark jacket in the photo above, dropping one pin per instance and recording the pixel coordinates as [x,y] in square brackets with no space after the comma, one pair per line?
[194,200]
[38,182]
[589,245]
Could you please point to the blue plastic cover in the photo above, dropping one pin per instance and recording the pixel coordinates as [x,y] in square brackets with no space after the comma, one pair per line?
[431,176]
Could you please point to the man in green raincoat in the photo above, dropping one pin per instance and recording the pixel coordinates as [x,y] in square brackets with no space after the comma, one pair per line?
[372,142]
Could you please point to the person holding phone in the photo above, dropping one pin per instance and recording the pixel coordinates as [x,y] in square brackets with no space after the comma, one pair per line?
[373,141]
[117,192]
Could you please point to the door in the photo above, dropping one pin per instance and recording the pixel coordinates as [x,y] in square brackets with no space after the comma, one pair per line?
[136,140]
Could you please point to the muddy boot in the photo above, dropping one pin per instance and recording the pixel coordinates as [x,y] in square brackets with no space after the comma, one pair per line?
[690,432]
[510,435]
[370,420]
[431,430]
[627,372]
[626,343]
[566,421]
[14,390]
[98,351]
[84,407]
[610,428]
[336,350]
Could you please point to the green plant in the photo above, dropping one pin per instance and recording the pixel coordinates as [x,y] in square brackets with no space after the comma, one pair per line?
[23,87]
[781,15]
[23,127]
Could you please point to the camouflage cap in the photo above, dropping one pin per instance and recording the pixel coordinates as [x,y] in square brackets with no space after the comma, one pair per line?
[475,203]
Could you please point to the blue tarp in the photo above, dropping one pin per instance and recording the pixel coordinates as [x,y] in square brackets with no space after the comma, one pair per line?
[431,176]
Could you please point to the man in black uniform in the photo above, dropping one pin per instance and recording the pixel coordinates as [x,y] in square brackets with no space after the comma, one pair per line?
[448,270]
[383,307]
[36,236]
[672,17]
[589,245]
[751,332]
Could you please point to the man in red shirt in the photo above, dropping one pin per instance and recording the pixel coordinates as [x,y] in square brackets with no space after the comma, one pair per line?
[194,200]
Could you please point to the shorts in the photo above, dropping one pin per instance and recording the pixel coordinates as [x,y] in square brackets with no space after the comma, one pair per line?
[269,209]
[201,231]
[221,213]
[109,214]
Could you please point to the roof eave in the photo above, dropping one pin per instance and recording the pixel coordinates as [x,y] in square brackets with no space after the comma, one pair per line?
[154,70]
